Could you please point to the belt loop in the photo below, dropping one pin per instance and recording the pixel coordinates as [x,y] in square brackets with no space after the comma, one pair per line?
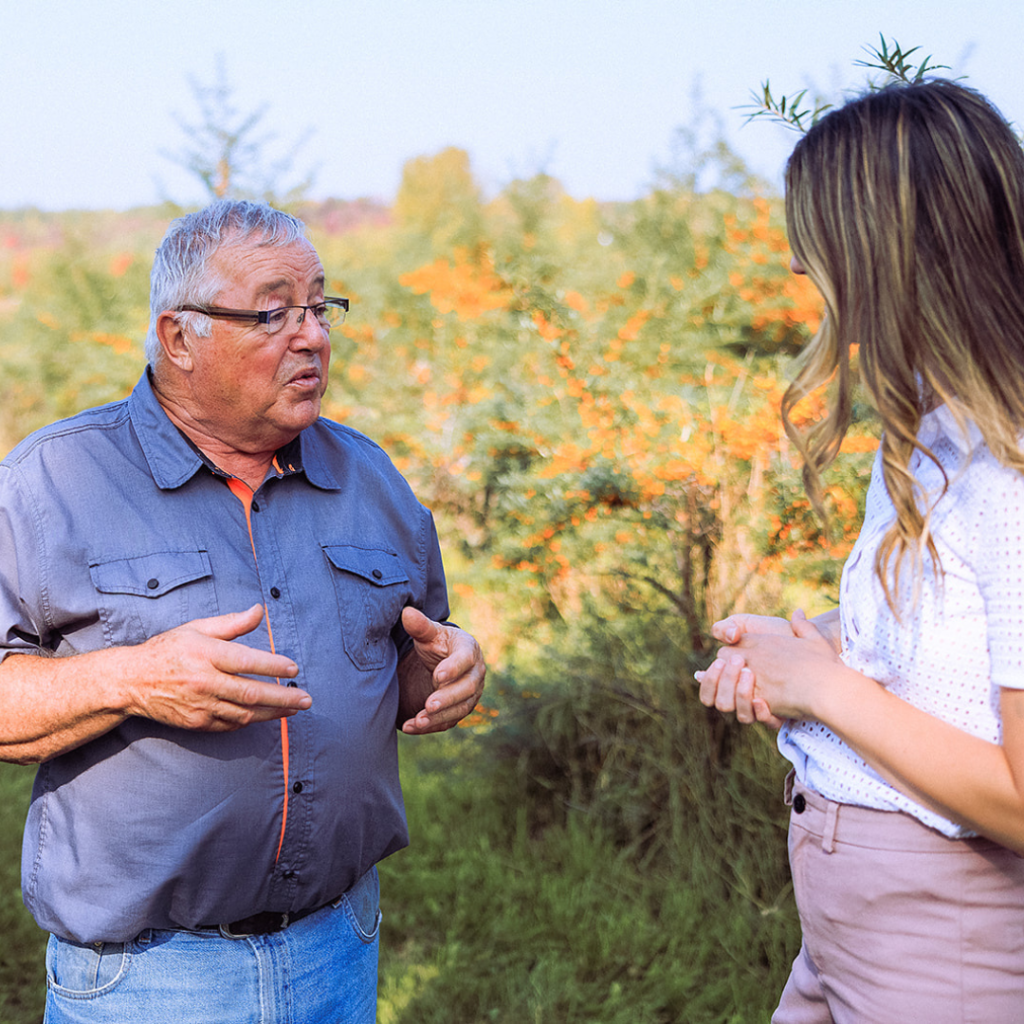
[787,789]
[828,835]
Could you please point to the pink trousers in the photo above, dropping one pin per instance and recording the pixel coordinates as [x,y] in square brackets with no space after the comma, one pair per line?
[900,924]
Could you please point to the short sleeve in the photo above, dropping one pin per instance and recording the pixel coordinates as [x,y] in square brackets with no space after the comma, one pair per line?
[999,565]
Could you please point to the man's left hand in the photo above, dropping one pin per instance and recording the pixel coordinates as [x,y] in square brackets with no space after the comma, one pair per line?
[441,680]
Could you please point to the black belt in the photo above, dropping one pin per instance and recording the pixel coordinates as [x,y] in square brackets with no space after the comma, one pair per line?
[266,922]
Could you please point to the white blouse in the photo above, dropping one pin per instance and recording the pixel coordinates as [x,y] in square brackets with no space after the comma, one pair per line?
[961,642]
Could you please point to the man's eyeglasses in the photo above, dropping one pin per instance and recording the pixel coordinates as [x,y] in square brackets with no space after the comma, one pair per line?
[329,313]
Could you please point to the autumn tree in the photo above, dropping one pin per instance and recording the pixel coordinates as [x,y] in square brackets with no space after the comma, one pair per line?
[439,200]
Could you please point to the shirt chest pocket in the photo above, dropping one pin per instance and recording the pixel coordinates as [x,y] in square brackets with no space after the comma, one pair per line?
[372,587]
[141,596]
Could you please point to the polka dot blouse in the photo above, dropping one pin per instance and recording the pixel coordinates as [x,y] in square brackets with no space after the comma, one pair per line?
[959,643]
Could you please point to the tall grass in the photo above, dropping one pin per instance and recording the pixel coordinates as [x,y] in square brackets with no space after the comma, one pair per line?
[484,922]
[610,854]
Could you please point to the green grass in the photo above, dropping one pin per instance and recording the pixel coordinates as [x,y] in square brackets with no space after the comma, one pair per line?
[22,978]
[487,921]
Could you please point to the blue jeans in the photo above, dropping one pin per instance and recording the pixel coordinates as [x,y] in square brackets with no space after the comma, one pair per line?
[320,970]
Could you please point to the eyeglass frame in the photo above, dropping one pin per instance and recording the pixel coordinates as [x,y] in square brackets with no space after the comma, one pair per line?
[262,316]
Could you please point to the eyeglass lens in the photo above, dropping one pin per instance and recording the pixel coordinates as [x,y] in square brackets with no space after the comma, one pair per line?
[327,315]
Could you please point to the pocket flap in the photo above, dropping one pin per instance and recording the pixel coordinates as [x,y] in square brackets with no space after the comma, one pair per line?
[150,575]
[375,565]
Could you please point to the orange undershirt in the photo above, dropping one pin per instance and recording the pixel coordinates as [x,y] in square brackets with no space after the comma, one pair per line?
[243,492]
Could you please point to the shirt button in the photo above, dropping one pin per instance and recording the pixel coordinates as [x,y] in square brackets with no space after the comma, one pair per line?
[275,593]
[377,574]
[799,803]
[153,584]
[255,506]
[297,788]
[290,875]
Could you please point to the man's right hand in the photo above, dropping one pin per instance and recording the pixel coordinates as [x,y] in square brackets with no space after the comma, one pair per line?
[193,677]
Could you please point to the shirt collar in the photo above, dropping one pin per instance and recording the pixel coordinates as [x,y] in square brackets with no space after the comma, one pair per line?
[173,459]
[940,422]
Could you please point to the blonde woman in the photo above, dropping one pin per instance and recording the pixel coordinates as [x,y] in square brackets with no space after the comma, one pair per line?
[903,712]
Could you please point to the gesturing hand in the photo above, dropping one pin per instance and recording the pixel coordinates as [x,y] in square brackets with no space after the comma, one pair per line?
[195,678]
[442,679]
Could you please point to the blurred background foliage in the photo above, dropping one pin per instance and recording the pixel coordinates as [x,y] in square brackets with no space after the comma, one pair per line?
[587,396]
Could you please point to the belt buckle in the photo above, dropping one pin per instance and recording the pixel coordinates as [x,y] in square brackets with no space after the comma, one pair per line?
[228,932]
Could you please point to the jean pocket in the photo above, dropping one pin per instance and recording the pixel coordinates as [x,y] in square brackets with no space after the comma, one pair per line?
[82,971]
[372,587]
[140,596]
[361,905]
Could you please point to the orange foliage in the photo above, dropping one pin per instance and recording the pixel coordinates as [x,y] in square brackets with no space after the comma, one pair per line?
[576,301]
[859,444]
[632,326]
[784,301]
[120,263]
[465,288]
[120,343]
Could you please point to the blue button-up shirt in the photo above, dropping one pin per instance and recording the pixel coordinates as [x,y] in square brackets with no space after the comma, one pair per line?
[113,529]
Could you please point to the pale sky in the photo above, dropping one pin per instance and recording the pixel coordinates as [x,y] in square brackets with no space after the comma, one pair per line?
[590,91]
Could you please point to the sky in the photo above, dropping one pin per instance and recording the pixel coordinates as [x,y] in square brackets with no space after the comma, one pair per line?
[592,92]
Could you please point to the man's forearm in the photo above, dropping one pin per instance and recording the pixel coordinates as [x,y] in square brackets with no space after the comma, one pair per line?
[49,706]
[191,677]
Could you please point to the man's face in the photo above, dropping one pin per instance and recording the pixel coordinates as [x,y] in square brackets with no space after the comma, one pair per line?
[252,390]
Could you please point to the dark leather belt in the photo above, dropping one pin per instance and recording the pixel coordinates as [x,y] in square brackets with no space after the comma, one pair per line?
[266,922]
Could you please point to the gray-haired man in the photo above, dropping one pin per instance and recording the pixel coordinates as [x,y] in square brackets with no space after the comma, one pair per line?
[208,814]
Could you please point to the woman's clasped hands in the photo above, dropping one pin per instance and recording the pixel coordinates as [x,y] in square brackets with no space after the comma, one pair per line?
[770,669]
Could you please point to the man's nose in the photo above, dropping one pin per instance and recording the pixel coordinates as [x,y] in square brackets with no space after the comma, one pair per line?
[308,331]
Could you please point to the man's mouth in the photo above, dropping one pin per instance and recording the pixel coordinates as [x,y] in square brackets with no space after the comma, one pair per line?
[309,377]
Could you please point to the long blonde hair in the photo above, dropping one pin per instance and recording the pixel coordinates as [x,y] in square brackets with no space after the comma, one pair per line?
[906,209]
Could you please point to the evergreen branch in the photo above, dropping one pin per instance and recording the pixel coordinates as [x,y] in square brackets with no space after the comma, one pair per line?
[793,113]
[785,110]
[897,64]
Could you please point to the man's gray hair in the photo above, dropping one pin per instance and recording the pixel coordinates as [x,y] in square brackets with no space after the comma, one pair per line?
[181,275]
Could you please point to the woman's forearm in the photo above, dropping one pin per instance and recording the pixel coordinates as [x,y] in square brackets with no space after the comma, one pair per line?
[961,777]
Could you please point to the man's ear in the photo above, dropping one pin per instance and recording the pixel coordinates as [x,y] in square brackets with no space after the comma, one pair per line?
[177,345]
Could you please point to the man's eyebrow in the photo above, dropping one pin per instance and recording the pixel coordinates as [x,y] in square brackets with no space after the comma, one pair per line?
[272,286]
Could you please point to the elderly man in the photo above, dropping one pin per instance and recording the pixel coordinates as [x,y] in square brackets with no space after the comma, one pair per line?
[215,609]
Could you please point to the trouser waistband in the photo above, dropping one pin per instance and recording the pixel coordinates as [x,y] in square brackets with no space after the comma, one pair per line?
[836,822]
[266,922]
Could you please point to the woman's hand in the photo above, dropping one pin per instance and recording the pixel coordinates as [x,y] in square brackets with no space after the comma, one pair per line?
[770,669]
[732,629]
[791,672]
[728,684]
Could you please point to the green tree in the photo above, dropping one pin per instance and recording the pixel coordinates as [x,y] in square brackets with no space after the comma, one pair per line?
[228,149]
